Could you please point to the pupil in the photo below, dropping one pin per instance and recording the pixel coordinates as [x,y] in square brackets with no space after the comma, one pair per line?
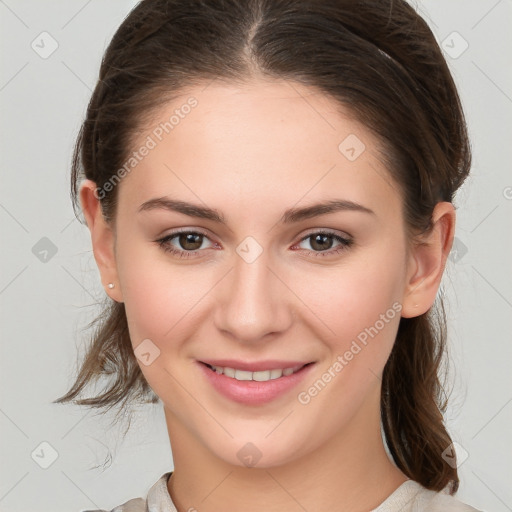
[321,242]
[190,238]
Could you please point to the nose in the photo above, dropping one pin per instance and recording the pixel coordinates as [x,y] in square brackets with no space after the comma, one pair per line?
[253,302]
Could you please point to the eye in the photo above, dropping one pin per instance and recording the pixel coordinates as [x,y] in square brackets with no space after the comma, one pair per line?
[322,241]
[187,243]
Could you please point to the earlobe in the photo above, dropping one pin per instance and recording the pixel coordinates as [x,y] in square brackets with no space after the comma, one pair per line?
[102,238]
[427,262]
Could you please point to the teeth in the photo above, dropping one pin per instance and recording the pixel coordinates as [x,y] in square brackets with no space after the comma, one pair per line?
[243,375]
[260,376]
[275,374]
[229,372]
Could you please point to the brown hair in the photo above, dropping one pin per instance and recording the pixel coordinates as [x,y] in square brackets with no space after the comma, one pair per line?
[377,58]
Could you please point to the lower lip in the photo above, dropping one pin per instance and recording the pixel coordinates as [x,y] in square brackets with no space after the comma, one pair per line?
[252,392]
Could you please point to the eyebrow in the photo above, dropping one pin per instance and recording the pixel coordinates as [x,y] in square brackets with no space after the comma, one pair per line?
[290,216]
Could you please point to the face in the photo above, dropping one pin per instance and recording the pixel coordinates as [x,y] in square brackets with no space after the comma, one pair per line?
[224,258]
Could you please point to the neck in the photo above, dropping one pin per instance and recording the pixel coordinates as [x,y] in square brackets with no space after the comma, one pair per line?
[350,472]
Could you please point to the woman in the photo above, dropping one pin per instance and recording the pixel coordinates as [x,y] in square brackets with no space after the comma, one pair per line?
[269,186]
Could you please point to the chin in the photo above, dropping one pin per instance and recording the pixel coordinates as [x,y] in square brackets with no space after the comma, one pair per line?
[259,451]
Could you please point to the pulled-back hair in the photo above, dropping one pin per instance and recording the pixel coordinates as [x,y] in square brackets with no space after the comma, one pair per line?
[380,61]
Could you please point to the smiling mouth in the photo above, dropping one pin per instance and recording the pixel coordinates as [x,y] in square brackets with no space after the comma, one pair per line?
[259,376]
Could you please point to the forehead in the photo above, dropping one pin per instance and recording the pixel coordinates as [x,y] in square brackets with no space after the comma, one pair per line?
[258,143]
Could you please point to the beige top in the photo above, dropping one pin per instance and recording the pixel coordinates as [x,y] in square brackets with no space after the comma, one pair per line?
[409,497]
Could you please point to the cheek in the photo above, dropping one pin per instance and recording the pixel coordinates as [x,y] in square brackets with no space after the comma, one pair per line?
[162,301]
[361,311]
[354,297]
[160,297]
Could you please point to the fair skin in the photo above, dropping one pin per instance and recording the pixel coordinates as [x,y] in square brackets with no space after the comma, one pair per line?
[252,152]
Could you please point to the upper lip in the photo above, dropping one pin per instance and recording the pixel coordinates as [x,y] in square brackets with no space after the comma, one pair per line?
[255,366]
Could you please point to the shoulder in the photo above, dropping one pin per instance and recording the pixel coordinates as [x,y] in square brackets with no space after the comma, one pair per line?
[413,497]
[133,505]
[157,500]
[442,502]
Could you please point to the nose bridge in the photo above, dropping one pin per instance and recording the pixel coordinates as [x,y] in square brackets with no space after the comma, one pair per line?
[253,301]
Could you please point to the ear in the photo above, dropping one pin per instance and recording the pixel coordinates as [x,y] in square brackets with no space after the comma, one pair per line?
[427,261]
[102,237]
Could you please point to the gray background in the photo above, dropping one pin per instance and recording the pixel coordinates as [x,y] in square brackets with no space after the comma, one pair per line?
[46,298]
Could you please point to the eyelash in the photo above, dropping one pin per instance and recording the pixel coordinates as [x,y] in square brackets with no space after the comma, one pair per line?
[164,243]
